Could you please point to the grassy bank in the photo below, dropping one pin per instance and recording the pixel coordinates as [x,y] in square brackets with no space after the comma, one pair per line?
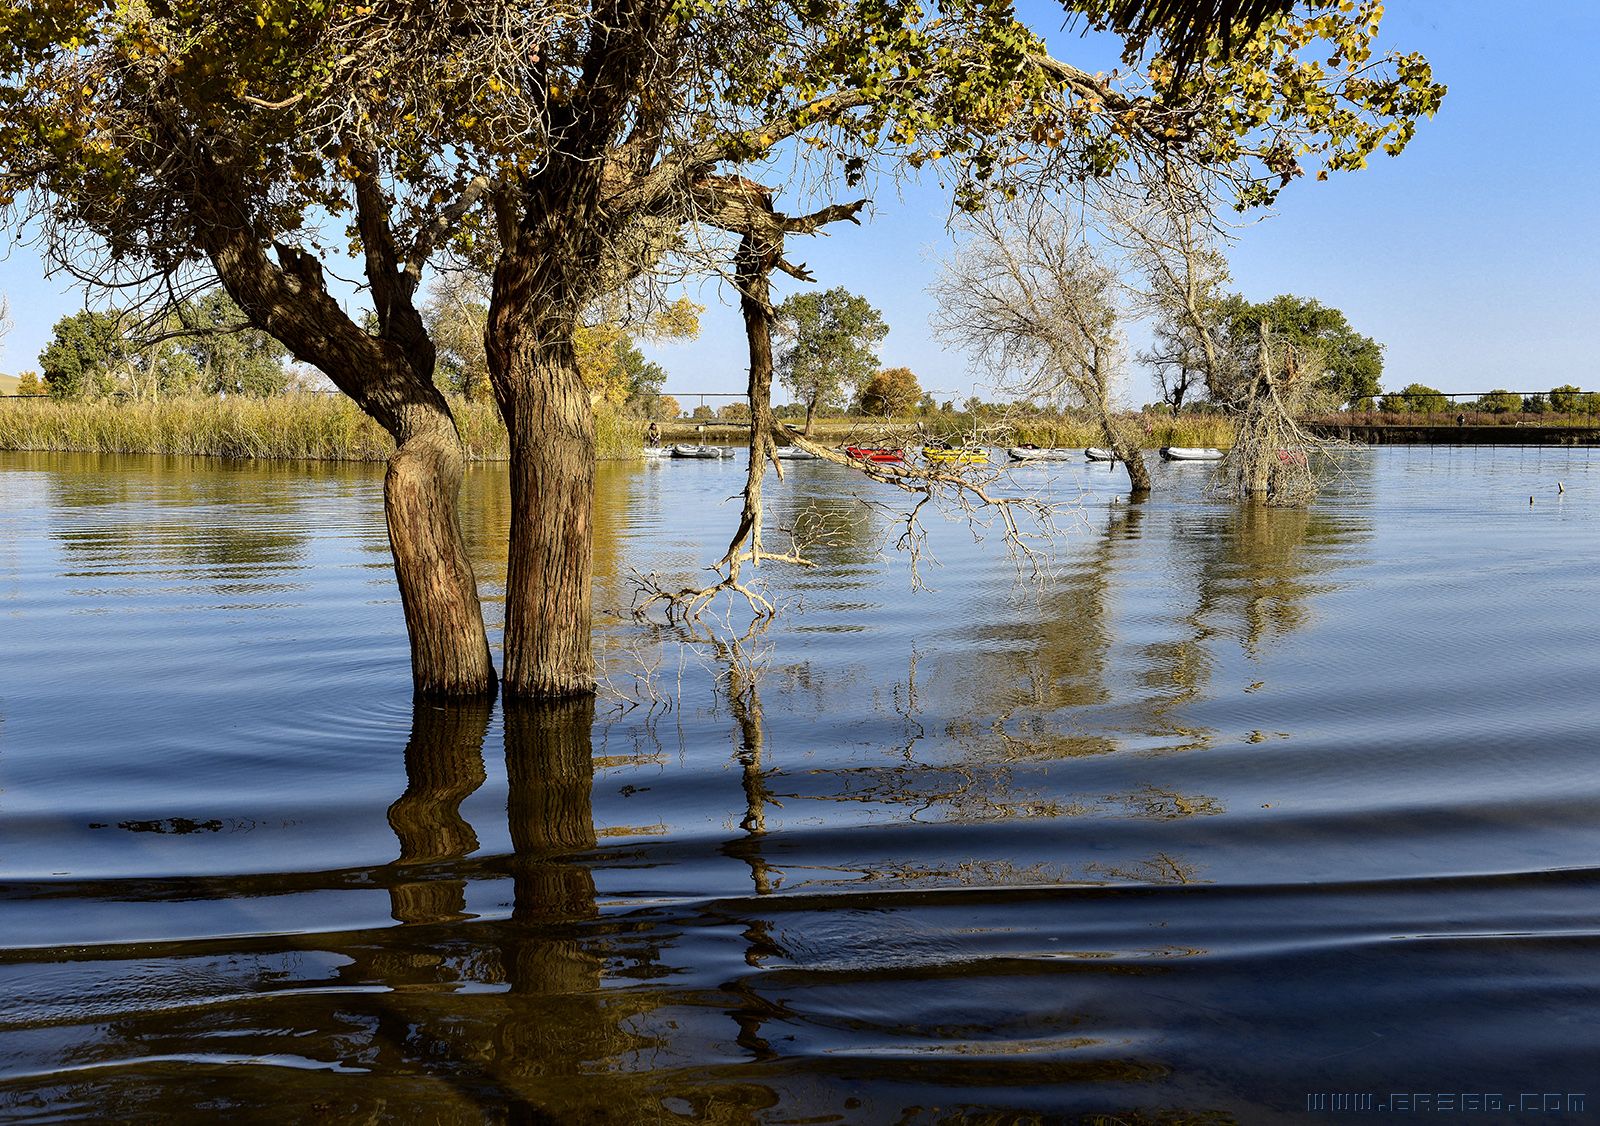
[312,427]
[1156,430]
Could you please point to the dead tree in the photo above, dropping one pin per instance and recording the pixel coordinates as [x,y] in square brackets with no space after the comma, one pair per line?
[1027,294]
[1271,455]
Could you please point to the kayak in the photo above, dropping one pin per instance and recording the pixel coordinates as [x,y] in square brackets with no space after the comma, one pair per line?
[698,451]
[875,453]
[945,455]
[793,453]
[1191,453]
[656,451]
[1038,453]
[1095,453]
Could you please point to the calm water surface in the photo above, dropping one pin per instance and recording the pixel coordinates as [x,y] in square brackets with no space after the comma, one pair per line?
[1235,808]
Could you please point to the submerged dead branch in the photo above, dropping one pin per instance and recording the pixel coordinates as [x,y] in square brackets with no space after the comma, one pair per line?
[965,489]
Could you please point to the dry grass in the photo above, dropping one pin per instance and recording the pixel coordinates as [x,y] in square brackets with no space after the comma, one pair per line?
[1153,431]
[310,427]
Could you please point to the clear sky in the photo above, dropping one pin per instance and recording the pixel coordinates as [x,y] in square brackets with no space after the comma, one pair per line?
[1474,257]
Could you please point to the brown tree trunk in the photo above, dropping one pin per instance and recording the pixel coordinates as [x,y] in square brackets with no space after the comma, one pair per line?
[1127,451]
[1138,473]
[548,584]
[811,409]
[438,590]
[752,276]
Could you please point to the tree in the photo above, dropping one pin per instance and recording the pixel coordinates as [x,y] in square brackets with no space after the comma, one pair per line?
[1499,402]
[1162,220]
[455,314]
[666,407]
[155,141]
[827,347]
[1351,365]
[1178,352]
[567,148]
[702,413]
[228,356]
[1032,300]
[736,411]
[608,356]
[28,384]
[892,391]
[1566,399]
[1417,398]
[84,356]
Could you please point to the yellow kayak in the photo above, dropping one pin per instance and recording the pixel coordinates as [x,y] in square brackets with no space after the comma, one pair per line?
[940,455]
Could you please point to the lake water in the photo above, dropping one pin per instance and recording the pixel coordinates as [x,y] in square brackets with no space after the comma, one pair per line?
[1236,814]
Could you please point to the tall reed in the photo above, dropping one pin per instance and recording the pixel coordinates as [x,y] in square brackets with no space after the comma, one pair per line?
[1154,430]
[312,427]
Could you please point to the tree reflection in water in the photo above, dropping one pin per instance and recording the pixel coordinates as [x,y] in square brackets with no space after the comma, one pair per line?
[549,1013]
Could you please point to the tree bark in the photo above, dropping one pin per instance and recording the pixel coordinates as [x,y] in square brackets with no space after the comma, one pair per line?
[548,580]
[1127,451]
[549,417]
[753,271]
[438,589]
[1138,472]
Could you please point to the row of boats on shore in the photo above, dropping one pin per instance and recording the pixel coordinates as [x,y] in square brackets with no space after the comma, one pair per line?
[940,455]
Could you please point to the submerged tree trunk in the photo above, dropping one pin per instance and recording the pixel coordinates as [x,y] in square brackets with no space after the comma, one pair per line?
[547,649]
[438,589]
[753,271]
[1126,448]
[533,314]
[1132,455]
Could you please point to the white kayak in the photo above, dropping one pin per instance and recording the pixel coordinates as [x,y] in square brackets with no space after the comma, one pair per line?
[656,451]
[711,452]
[1191,453]
[1042,453]
[793,453]
[1095,453]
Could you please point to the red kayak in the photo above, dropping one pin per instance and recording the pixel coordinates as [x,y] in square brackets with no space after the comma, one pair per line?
[875,453]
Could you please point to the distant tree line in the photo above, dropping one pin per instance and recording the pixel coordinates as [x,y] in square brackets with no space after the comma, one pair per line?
[1418,398]
[204,347]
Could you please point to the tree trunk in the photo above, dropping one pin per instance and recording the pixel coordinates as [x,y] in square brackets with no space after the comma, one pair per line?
[752,276]
[1138,473]
[811,409]
[551,426]
[390,378]
[1127,451]
[438,590]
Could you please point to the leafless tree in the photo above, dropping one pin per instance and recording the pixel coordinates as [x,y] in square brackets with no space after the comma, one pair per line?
[1162,217]
[1028,295]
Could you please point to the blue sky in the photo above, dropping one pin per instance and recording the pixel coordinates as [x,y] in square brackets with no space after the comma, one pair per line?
[1472,257]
